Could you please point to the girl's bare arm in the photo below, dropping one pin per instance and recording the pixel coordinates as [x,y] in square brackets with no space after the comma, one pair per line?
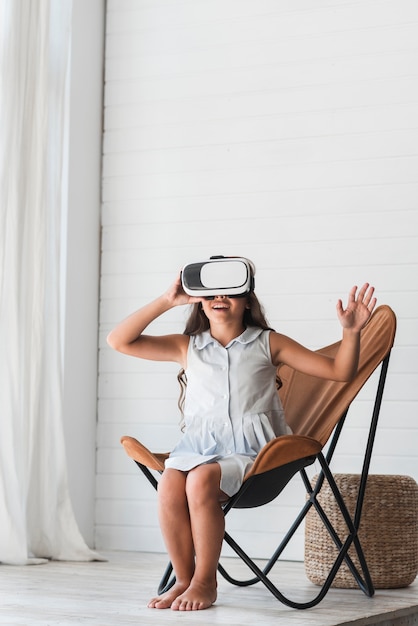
[128,337]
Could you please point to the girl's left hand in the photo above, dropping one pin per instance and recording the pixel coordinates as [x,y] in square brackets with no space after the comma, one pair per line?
[359,308]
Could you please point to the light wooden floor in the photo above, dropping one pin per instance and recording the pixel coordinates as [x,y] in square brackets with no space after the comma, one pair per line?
[116,592]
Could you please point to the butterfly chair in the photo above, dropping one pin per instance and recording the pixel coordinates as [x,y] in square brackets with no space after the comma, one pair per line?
[315,410]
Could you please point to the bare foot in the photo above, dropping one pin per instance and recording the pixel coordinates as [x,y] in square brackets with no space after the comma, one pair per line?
[196,597]
[166,599]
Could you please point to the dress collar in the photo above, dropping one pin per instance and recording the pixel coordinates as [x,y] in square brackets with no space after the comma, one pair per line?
[204,339]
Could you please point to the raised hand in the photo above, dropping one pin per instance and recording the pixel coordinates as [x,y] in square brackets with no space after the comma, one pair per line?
[359,308]
[176,295]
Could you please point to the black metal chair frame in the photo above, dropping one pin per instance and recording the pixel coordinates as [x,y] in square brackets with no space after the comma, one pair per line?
[282,475]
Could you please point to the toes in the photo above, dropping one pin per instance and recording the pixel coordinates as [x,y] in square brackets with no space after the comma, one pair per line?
[185,604]
[159,603]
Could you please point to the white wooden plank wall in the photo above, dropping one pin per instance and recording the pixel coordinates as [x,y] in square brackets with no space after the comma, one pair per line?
[285,131]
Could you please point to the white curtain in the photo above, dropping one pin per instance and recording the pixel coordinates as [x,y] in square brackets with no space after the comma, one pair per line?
[36,516]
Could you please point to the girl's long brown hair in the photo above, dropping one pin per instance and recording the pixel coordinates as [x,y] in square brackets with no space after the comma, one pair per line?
[198,322]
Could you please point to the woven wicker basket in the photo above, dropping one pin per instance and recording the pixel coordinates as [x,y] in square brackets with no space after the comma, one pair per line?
[388,531]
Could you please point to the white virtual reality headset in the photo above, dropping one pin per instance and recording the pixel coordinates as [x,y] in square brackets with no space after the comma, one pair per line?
[219,275]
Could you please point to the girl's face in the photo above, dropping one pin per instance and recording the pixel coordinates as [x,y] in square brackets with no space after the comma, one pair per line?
[224,309]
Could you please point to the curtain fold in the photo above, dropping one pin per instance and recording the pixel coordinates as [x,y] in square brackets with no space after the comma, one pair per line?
[36,515]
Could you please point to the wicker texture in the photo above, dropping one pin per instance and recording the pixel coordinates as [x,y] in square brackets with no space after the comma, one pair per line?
[388,531]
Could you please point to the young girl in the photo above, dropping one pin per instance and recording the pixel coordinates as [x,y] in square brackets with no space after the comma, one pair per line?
[231,410]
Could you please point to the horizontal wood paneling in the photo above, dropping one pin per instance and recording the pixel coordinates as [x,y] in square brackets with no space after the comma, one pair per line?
[285,131]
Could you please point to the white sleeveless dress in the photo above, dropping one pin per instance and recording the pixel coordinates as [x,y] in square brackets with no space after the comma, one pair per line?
[232,408]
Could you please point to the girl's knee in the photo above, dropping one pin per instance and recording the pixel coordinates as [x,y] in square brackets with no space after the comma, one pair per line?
[171,485]
[203,484]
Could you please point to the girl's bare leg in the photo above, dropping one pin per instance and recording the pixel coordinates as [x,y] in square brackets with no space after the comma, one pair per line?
[208,527]
[176,530]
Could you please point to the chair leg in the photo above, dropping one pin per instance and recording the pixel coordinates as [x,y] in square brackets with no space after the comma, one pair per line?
[364,581]
[260,576]
[166,582]
[365,584]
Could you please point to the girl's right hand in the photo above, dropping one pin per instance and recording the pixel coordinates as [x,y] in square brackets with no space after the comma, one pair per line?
[176,295]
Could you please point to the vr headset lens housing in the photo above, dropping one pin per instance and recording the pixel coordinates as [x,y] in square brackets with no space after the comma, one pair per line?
[233,277]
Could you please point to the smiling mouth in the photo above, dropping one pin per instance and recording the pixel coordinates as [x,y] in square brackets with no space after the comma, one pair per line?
[220,306]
